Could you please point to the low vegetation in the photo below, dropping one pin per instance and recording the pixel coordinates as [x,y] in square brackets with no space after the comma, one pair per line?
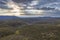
[20,30]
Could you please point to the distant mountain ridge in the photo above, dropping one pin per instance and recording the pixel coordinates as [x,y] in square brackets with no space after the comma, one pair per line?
[30,20]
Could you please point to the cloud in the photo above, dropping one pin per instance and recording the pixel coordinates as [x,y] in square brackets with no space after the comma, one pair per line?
[3,4]
[22,1]
[34,2]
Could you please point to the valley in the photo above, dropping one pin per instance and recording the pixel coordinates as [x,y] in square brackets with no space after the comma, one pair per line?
[42,28]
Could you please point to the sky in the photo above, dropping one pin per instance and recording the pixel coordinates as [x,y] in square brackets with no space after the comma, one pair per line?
[32,8]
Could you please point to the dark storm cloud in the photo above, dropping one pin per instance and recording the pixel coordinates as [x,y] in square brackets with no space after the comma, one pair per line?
[3,4]
[22,1]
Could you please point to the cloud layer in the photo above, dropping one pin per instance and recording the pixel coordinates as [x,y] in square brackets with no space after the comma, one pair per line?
[49,8]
